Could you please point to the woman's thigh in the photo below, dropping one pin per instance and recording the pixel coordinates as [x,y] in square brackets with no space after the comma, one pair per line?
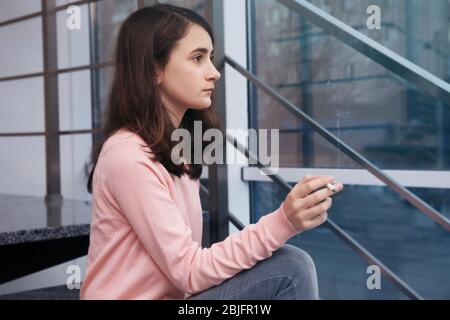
[289,273]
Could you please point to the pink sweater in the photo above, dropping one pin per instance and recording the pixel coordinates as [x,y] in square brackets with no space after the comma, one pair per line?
[146,231]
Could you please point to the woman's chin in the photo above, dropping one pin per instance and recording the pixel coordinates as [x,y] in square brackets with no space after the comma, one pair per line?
[201,106]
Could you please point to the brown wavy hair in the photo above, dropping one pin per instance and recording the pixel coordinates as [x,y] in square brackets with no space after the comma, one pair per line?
[144,43]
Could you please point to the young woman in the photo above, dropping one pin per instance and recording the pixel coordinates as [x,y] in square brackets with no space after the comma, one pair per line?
[146,230]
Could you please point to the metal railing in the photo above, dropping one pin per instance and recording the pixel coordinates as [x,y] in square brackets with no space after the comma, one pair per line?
[231,217]
[358,158]
[395,63]
[344,236]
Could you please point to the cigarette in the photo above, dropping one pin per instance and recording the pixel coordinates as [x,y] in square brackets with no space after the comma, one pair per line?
[332,187]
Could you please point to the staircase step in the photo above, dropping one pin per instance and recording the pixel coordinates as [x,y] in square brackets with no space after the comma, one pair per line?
[50,293]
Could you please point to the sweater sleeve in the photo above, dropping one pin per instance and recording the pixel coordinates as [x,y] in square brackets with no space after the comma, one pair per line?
[140,191]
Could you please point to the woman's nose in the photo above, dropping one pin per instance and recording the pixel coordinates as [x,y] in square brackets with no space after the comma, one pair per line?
[215,75]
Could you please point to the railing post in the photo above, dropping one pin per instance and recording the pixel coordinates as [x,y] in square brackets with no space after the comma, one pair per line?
[218,177]
[53,198]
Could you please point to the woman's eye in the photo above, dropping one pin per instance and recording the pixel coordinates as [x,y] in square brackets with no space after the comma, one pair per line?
[198,58]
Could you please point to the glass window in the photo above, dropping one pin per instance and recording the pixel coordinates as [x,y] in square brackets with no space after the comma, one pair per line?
[23,162]
[22,112]
[109,16]
[195,5]
[381,116]
[75,100]
[386,119]
[75,153]
[15,55]
[18,8]
[73,44]
[417,30]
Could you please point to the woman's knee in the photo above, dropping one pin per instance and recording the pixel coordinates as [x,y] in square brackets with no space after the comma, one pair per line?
[296,261]
[295,255]
[300,267]
[290,261]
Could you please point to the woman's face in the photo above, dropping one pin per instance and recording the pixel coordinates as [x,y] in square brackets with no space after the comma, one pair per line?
[189,72]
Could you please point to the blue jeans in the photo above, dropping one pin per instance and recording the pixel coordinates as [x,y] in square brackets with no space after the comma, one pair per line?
[289,274]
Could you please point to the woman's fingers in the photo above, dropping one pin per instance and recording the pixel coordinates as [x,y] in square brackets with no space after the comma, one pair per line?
[320,195]
[301,190]
[320,219]
[308,177]
[307,204]
[317,220]
[318,209]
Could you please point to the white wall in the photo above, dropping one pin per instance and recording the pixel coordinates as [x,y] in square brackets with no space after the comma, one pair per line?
[236,104]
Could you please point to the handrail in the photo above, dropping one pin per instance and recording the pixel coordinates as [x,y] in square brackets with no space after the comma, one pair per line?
[344,236]
[231,217]
[358,158]
[59,71]
[43,133]
[394,62]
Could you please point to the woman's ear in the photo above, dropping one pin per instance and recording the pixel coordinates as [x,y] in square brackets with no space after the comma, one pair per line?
[159,75]
[158,78]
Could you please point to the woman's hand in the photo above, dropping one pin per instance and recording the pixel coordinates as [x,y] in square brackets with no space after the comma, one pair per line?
[307,208]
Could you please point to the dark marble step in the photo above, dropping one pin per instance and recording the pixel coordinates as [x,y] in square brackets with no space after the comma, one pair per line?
[50,293]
